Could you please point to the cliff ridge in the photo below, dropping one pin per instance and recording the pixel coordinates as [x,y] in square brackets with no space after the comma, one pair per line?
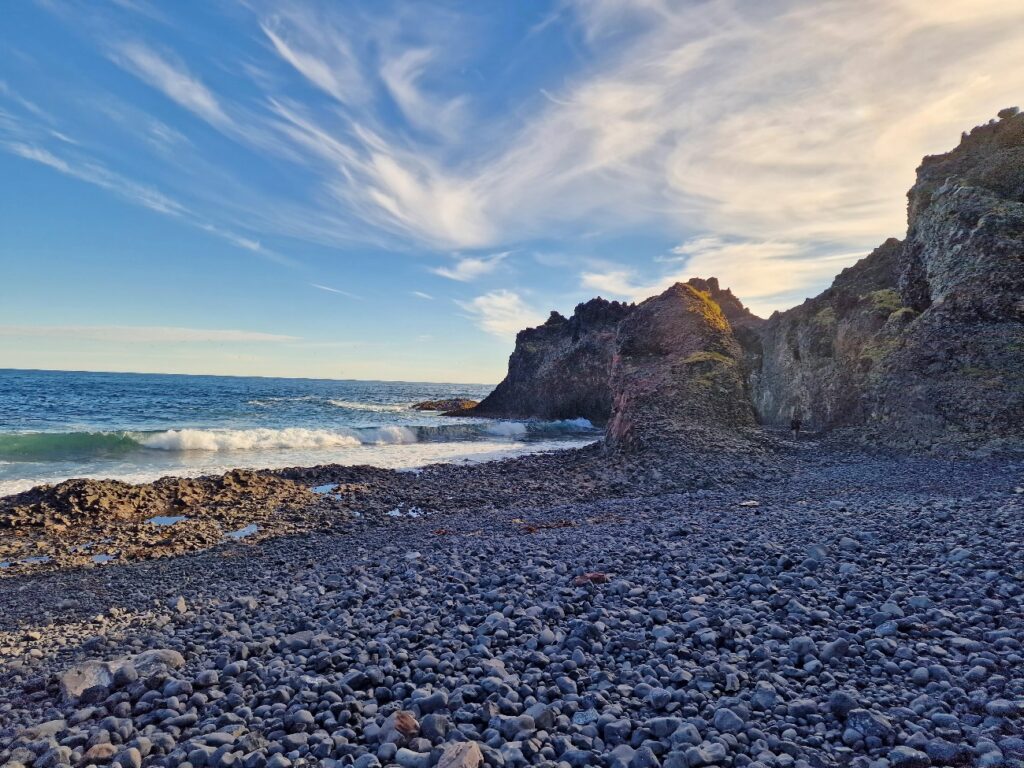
[918,345]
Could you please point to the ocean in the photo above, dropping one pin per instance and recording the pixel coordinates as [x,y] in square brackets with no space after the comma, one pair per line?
[55,425]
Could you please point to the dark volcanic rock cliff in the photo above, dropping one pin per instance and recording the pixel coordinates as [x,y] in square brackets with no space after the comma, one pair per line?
[919,344]
[815,360]
[559,370]
[956,374]
[677,372]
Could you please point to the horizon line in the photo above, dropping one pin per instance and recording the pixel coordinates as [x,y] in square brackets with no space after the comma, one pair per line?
[246,376]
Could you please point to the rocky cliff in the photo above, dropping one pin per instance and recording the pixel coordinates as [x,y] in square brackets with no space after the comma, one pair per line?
[955,376]
[559,370]
[677,372]
[920,344]
[815,361]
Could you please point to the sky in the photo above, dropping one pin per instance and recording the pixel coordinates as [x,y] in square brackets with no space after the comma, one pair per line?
[390,190]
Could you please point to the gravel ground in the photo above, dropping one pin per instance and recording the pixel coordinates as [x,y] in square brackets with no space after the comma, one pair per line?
[847,610]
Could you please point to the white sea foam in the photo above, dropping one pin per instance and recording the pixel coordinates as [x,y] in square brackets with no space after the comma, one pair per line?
[352,405]
[265,439]
[573,424]
[247,439]
[268,401]
[160,463]
[506,429]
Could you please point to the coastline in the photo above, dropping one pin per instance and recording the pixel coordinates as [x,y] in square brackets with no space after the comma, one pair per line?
[97,522]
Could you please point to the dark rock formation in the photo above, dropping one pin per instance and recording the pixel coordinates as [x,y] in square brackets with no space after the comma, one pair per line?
[956,375]
[815,361]
[559,370]
[454,406]
[76,521]
[920,344]
[677,370]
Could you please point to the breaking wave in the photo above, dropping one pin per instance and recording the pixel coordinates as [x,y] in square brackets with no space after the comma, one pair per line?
[57,446]
[351,405]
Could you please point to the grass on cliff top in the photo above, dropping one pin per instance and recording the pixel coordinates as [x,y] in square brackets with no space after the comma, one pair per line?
[708,309]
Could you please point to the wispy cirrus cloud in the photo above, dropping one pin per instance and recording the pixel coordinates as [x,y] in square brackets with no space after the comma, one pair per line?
[469,268]
[686,121]
[172,78]
[329,289]
[143,195]
[93,173]
[317,49]
[143,334]
[501,313]
[675,118]
[401,74]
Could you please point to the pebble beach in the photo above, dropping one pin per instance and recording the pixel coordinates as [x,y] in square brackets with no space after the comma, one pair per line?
[827,608]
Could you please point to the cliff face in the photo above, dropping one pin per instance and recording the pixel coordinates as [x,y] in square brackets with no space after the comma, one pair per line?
[956,374]
[920,344]
[559,370]
[677,372]
[816,360]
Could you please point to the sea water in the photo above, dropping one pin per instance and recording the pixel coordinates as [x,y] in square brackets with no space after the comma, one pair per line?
[137,427]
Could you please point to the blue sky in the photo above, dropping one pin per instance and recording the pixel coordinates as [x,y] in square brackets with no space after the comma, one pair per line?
[391,190]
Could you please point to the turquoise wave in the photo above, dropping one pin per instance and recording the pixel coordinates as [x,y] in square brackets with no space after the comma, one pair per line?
[72,446]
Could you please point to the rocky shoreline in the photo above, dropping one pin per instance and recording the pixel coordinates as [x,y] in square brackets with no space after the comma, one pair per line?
[918,346]
[95,523]
[821,607]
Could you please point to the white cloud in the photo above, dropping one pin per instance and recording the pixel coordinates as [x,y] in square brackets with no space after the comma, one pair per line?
[502,313]
[173,79]
[401,75]
[791,127]
[328,289]
[94,173]
[615,282]
[319,52]
[766,276]
[469,268]
[139,194]
[422,295]
[141,334]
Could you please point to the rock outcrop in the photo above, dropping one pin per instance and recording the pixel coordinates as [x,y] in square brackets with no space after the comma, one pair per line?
[677,372]
[956,375]
[452,406]
[918,345]
[816,360]
[559,370]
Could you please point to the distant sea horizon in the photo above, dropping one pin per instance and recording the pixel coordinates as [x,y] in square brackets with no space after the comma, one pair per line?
[247,376]
[137,426]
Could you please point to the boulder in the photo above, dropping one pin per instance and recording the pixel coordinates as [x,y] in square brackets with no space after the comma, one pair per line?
[465,754]
[102,675]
